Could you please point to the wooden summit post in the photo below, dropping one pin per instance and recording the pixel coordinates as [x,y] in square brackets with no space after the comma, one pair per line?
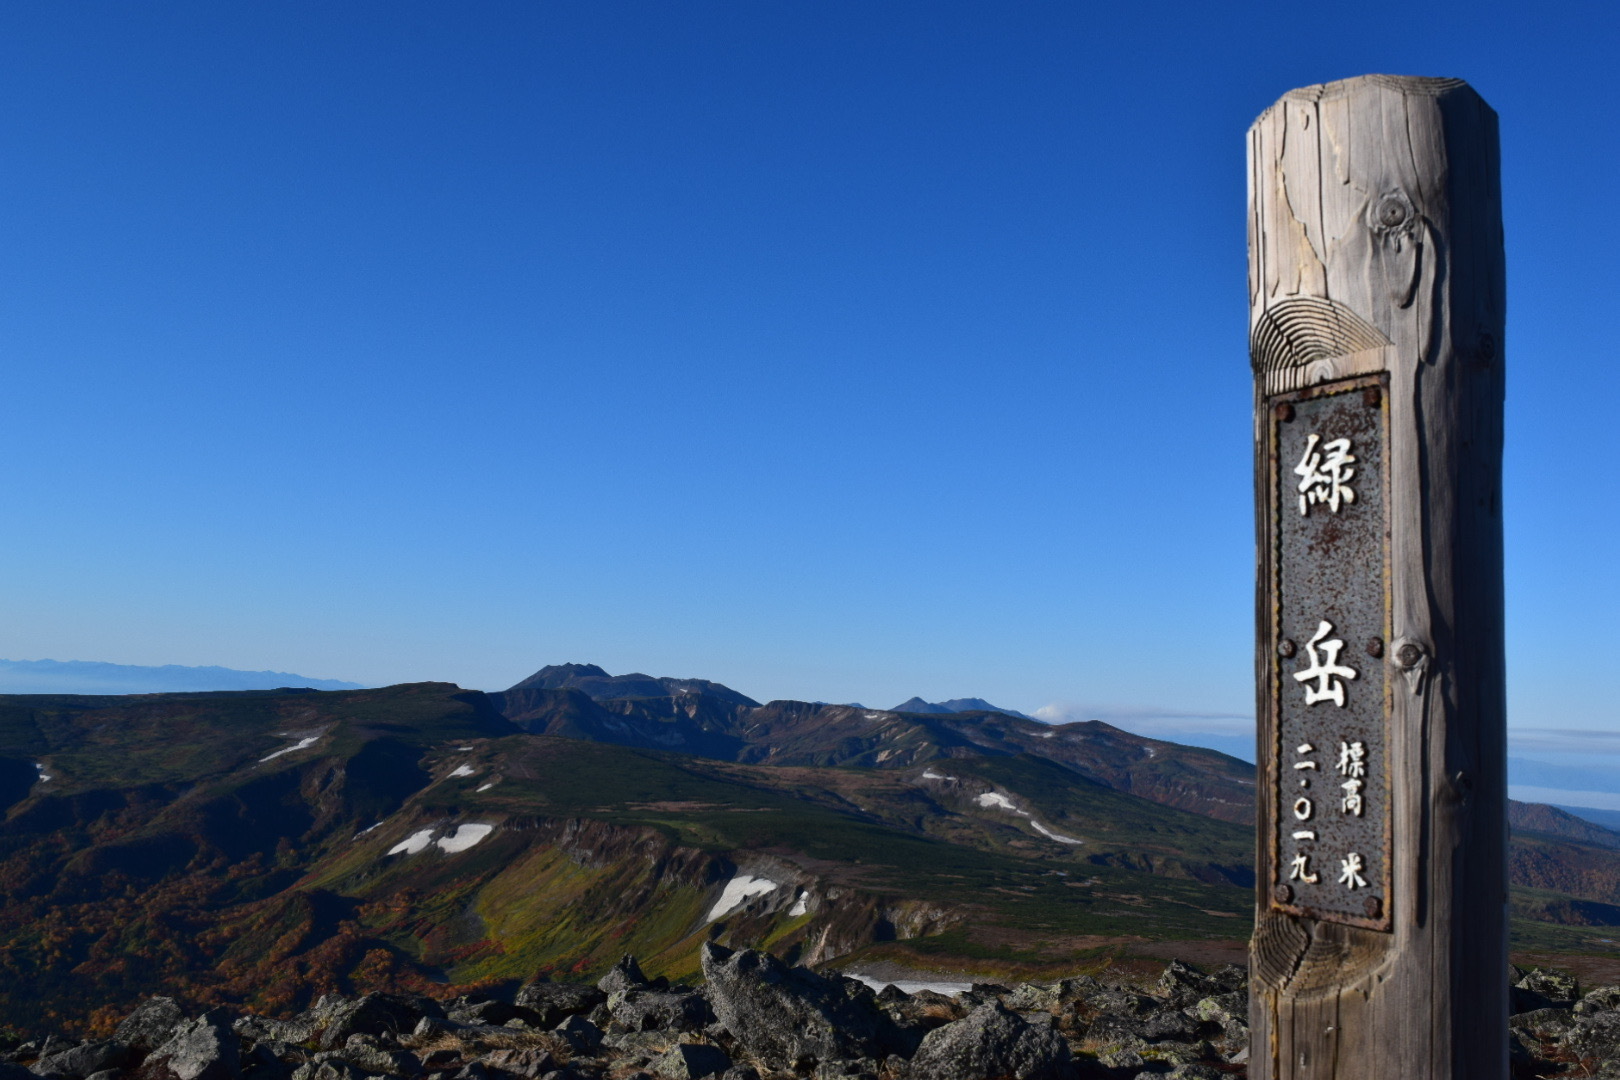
[1375,313]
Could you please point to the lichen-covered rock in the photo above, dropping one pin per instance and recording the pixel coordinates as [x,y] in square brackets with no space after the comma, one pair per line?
[792,1016]
[1598,999]
[1596,1036]
[993,1041]
[200,1049]
[1539,988]
[151,1024]
[691,1061]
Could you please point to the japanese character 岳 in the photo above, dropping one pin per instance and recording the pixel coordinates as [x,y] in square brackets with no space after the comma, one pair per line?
[1325,668]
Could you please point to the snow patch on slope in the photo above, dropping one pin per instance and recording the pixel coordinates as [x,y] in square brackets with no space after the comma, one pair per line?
[301,744]
[413,844]
[737,892]
[999,801]
[465,837]
[1050,835]
[462,770]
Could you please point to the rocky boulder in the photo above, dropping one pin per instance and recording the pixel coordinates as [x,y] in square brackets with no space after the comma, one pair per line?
[625,975]
[691,1061]
[659,1010]
[552,1002]
[790,1017]
[85,1059]
[151,1024]
[374,1014]
[993,1043]
[200,1049]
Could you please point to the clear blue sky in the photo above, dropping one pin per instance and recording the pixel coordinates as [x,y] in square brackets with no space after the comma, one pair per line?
[830,350]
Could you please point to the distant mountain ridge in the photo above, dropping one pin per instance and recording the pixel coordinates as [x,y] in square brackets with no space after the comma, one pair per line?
[96,677]
[707,719]
[955,705]
[598,685]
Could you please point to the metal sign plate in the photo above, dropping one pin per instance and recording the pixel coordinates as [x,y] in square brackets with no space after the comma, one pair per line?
[1330,539]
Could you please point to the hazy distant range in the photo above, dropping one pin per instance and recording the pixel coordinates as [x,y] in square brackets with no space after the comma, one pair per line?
[94,677]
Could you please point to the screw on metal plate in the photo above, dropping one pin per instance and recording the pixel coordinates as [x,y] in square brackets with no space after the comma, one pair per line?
[1373,907]
[1285,648]
[1409,656]
[1375,647]
[1285,893]
[1285,412]
[1373,396]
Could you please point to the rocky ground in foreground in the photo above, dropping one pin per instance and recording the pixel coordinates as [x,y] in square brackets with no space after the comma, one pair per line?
[756,1018]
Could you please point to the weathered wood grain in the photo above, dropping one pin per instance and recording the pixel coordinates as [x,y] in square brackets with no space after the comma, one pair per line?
[1375,245]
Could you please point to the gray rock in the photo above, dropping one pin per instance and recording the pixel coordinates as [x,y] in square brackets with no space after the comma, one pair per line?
[200,1049]
[1120,1057]
[1116,1001]
[86,1058]
[993,1041]
[1223,1008]
[691,1061]
[151,1024]
[625,975]
[1169,1024]
[1595,1036]
[1542,1023]
[488,1011]
[659,1010]
[372,1014]
[263,1029]
[551,1002]
[1033,997]
[531,1062]
[582,1036]
[1181,984]
[741,1072]
[792,1016]
[327,1070]
[373,1060]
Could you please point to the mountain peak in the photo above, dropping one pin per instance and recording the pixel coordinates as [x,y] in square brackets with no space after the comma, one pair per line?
[553,676]
[954,705]
[598,685]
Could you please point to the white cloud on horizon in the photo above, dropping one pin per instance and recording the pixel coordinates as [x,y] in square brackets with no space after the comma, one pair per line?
[1591,800]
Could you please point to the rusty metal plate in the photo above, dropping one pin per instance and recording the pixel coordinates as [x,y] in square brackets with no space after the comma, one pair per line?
[1330,537]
